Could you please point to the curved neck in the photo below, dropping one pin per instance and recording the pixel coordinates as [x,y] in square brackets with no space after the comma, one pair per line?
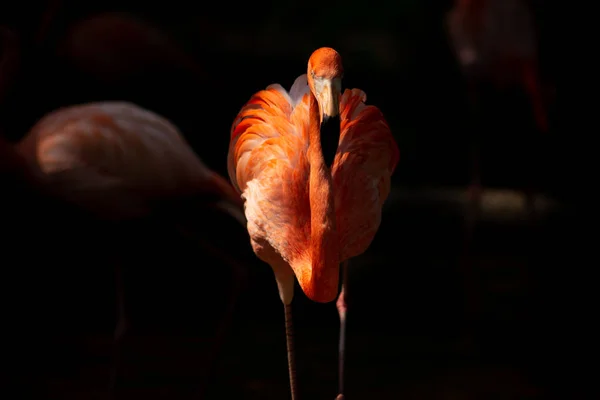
[324,246]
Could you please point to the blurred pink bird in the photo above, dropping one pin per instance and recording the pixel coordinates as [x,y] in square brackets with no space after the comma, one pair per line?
[118,161]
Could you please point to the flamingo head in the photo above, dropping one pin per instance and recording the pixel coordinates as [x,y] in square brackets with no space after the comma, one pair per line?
[325,72]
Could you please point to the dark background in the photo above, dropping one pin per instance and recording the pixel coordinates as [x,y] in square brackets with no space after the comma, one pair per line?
[433,314]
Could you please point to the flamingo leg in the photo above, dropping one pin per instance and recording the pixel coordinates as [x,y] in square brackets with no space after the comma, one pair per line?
[239,277]
[342,307]
[474,189]
[289,336]
[474,194]
[531,82]
[120,331]
[474,197]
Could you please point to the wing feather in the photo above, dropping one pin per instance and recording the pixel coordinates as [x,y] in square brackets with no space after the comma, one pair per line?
[366,158]
[267,163]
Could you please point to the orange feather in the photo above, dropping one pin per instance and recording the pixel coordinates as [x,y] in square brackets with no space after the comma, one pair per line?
[268,163]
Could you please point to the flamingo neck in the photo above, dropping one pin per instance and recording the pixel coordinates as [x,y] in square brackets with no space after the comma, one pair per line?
[324,245]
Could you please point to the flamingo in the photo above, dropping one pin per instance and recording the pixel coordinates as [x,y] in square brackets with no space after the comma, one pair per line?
[313,166]
[494,41]
[119,161]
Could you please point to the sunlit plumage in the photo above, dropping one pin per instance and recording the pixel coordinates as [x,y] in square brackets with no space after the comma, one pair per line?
[303,216]
[268,163]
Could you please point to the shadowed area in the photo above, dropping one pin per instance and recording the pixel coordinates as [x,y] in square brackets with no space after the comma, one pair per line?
[451,301]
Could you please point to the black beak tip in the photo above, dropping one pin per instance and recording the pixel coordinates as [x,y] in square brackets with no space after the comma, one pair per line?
[327,118]
[330,137]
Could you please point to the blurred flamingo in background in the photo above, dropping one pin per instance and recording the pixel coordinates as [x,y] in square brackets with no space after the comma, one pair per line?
[494,42]
[119,161]
[313,166]
[118,150]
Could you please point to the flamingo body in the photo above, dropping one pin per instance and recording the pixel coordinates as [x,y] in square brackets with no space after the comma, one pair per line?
[313,166]
[494,40]
[269,164]
[118,148]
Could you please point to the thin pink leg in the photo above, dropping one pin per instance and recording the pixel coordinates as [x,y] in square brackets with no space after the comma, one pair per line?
[342,308]
[474,189]
[531,82]
[474,194]
[289,338]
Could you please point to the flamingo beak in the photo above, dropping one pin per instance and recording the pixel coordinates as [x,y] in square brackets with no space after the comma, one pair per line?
[329,98]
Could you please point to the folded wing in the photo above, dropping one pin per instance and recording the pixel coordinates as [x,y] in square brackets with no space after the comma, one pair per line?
[366,158]
[268,164]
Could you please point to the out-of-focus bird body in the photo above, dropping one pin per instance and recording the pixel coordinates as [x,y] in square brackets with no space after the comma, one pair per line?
[269,163]
[114,160]
[495,45]
[118,161]
[119,147]
[494,41]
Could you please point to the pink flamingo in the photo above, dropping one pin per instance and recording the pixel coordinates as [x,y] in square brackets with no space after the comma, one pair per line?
[119,161]
[314,167]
